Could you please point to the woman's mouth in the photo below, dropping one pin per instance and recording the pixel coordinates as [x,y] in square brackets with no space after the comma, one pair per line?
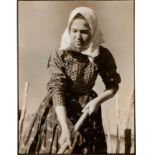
[78,43]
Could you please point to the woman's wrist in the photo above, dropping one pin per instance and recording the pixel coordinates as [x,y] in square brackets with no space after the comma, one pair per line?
[103,97]
[61,115]
[64,126]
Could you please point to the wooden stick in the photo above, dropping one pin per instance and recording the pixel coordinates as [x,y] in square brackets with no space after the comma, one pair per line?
[118,141]
[127,135]
[81,120]
[118,125]
[118,116]
[76,128]
[127,131]
[23,111]
[109,143]
[130,106]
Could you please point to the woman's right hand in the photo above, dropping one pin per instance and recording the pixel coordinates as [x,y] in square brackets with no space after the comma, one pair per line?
[65,137]
[65,134]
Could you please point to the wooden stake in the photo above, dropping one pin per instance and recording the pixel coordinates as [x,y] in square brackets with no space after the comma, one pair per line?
[130,106]
[127,135]
[109,143]
[118,125]
[127,131]
[23,111]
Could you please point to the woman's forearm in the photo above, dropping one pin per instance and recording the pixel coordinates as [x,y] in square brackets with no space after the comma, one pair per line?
[62,118]
[109,93]
[61,115]
[93,105]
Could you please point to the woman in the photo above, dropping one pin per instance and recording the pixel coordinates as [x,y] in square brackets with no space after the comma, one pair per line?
[73,69]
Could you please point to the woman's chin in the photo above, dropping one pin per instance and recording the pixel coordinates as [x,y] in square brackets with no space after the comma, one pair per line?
[78,48]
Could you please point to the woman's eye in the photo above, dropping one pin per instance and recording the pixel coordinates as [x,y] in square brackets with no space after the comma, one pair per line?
[74,31]
[85,31]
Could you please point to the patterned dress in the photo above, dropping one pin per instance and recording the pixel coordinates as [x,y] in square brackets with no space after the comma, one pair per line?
[72,77]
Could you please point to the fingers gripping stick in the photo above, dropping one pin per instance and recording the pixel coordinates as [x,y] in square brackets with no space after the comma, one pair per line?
[76,128]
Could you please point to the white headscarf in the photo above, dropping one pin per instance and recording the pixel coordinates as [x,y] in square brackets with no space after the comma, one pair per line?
[92,49]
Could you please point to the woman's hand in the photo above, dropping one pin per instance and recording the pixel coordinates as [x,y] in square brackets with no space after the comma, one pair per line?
[65,137]
[92,106]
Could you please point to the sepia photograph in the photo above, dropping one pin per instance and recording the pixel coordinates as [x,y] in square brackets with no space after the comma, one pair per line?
[76,77]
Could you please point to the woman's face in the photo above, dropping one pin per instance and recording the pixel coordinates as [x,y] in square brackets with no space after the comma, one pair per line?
[80,33]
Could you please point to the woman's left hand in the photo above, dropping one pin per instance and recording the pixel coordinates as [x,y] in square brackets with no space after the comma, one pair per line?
[92,106]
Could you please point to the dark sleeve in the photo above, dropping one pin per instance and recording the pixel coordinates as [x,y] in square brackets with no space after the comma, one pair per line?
[108,70]
[57,84]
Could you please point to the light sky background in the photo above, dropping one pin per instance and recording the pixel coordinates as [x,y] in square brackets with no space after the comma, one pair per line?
[40,26]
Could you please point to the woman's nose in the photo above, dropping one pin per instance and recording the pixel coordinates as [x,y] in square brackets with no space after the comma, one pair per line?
[78,35]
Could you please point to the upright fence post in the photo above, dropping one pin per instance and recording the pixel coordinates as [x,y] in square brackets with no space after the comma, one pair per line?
[127,135]
[109,142]
[118,125]
[127,131]
[22,116]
